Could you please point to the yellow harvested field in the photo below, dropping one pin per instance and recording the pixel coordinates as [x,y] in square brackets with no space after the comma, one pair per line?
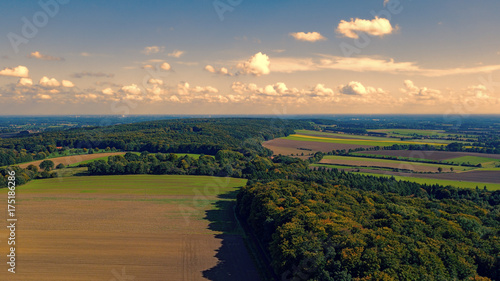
[69,160]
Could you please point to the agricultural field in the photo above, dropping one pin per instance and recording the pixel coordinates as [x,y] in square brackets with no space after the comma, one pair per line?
[443,156]
[392,164]
[462,180]
[137,227]
[382,140]
[71,160]
[415,132]
[305,141]
[289,147]
[356,141]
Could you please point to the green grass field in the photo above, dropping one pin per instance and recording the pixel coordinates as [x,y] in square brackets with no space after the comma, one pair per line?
[367,161]
[134,184]
[356,141]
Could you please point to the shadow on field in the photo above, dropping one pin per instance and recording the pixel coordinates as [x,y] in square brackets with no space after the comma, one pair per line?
[234,261]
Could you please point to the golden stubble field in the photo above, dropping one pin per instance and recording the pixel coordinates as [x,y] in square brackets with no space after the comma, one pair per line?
[143,231]
[73,159]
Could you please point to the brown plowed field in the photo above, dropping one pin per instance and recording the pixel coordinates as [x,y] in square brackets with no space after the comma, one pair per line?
[69,160]
[287,147]
[431,155]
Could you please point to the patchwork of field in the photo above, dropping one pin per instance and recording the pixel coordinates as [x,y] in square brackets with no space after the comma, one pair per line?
[287,147]
[305,141]
[137,227]
[368,142]
[415,132]
[463,180]
[392,164]
[377,141]
[444,156]
[70,160]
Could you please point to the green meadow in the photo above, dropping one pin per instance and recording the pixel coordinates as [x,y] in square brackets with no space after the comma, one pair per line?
[134,185]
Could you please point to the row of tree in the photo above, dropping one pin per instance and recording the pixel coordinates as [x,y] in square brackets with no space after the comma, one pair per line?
[205,136]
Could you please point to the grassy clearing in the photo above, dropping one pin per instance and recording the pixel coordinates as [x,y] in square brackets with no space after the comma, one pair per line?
[70,171]
[368,142]
[195,156]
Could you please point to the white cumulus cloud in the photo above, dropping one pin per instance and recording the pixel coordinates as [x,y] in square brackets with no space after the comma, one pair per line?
[18,71]
[155,81]
[257,65]
[165,66]
[222,70]
[308,36]
[49,82]
[25,82]
[132,89]
[375,27]
[67,84]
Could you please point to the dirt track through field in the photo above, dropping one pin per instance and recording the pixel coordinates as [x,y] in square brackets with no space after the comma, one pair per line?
[99,236]
[69,160]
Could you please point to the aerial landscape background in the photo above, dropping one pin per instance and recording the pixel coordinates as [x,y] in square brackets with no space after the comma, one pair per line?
[250,140]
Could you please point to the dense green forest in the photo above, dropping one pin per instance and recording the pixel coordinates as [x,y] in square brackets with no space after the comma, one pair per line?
[335,232]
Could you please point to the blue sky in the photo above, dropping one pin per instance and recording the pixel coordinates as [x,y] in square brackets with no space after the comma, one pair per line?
[174,57]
